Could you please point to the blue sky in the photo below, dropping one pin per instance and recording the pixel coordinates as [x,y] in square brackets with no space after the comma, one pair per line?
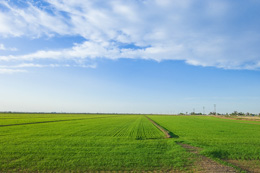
[143,56]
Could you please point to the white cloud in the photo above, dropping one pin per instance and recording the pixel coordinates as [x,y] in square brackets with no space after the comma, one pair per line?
[24,65]
[30,21]
[11,71]
[2,47]
[31,65]
[87,66]
[92,50]
[204,33]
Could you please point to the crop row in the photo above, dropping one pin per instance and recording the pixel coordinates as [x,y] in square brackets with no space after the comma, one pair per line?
[134,127]
[90,144]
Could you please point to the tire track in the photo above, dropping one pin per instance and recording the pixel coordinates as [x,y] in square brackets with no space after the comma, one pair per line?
[167,133]
[54,121]
[203,163]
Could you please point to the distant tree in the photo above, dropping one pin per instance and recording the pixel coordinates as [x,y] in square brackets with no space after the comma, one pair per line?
[241,114]
[234,113]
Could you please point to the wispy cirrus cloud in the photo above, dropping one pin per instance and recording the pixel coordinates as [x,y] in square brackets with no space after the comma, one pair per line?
[31,65]
[18,68]
[11,71]
[203,33]
[3,48]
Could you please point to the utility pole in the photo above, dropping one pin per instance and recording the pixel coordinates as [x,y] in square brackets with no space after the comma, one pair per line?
[215,109]
[203,110]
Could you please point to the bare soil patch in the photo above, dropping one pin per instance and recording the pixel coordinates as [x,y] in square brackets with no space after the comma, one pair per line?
[205,164]
[249,120]
[240,118]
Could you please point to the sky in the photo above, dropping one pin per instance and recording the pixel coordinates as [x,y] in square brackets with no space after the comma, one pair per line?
[131,56]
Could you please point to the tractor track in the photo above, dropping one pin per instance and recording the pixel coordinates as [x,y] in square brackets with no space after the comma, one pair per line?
[167,133]
[54,121]
[203,164]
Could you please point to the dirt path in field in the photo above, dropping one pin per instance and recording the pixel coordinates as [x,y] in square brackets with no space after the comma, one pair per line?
[247,165]
[205,164]
[166,132]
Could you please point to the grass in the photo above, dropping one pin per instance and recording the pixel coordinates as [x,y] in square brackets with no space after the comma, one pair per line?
[15,119]
[219,138]
[81,143]
[85,143]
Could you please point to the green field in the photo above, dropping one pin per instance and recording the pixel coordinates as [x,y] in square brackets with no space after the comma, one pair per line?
[219,138]
[78,142]
[85,143]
